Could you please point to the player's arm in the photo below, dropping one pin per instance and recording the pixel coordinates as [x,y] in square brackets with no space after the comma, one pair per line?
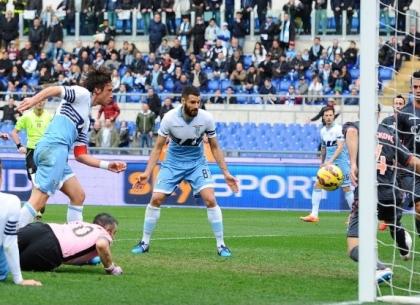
[338,151]
[15,137]
[104,252]
[54,91]
[82,156]
[154,155]
[323,154]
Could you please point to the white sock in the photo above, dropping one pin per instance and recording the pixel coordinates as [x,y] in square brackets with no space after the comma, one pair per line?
[214,215]
[349,198]
[151,217]
[74,213]
[27,215]
[316,200]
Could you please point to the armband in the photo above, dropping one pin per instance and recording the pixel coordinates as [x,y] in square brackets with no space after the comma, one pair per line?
[80,150]
[104,164]
[19,145]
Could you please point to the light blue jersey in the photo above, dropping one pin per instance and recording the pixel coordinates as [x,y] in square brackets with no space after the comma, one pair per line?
[330,138]
[71,120]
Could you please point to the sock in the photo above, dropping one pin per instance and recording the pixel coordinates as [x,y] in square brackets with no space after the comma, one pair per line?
[380,266]
[418,226]
[42,210]
[27,215]
[398,234]
[74,213]
[349,198]
[214,215]
[151,217]
[316,200]
[354,255]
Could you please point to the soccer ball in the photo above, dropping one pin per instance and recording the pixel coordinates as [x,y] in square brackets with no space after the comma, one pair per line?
[330,177]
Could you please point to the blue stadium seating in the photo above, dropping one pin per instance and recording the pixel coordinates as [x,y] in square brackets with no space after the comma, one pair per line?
[284,85]
[121,70]
[169,84]
[224,84]
[213,84]
[385,73]
[136,97]
[247,61]
[31,81]
[355,72]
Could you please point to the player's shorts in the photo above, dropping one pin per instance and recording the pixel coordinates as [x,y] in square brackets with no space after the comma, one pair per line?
[52,168]
[387,211]
[345,169]
[4,267]
[30,163]
[39,248]
[409,184]
[170,175]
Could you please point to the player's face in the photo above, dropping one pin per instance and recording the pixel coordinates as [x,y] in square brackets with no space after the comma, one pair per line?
[191,105]
[112,231]
[329,117]
[398,103]
[105,96]
[415,88]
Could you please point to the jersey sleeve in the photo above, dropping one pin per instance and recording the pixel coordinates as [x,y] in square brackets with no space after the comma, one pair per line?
[321,133]
[21,123]
[403,154]
[339,133]
[165,127]
[210,127]
[10,242]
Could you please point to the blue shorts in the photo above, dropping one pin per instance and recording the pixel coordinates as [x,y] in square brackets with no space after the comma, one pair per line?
[53,169]
[345,169]
[170,175]
[4,267]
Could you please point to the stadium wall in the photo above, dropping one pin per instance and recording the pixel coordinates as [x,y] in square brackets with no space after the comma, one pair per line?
[264,184]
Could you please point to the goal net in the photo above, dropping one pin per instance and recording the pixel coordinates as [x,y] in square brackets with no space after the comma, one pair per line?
[398,54]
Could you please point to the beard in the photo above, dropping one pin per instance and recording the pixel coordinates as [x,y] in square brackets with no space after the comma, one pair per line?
[191,112]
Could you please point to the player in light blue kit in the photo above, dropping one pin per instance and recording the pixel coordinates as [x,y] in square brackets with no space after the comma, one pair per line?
[332,150]
[185,160]
[68,128]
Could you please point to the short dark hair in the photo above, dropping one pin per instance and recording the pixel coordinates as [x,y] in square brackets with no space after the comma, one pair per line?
[400,96]
[189,90]
[415,75]
[328,108]
[105,220]
[97,78]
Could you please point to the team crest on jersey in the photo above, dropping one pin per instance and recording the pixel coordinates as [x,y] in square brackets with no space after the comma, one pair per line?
[197,129]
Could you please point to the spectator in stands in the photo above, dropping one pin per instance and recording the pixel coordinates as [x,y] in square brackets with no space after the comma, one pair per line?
[110,111]
[62,80]
[303,88]
[145,125]
[334,49]
[216,98]
[287,31]
[291,9]
[6,64]
[224,35]
[338,62]
[57,52]
[167,66]
[157,31]
[128,80]
[10,115]
[258,56]
[335,82]
[198,33]
[14,52]
[124,50]
[74,75]
[54,33]
[34,5]
[110,6]
[131,54]
[37,36]
[78,50]
[167,106]
[15,77]
[68,7]
[276,51]
[291,97]
[45,76]
[87,18]
[234,46]
[110,49]
[198,78]
[124,134]
[213,7]
[127,5]
[183,6]
[66,63]
[190,63]
[212,31]
[25,92]
[218,48]
[305,10]
[184,33]
[393,54]
[235,59]
[230,98]
[325,75]
[220,67]
[350,55]
[262,7]
[94,133]
[411,43]
[355,84]
[11,92]
[140,80]
[266,67]
[163,49]
[238,77]
[401,14]
[345,76]
[168,7]
[150,63]
[239,29]
[316,49]
[116,80]
[177,53]
[29,65]
[177,73]
[146,9]
[281,68]
[323,60]
[315,89]
[107,137]
[23,53]
[84,59]
[267,30]
[8,29]
[197,6]
[252,80]
[299,65]
[353,99]
[113,63]
[291,51]
[99,61]
[138,65]
[155,78]
[321,15]
[153,102]
[269,93]
[384,7]
[179,86]
[121,96]
[95,50]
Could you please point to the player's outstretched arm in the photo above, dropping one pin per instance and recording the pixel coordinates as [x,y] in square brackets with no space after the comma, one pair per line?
[15,137]
[45,94]
[338,151]
[352,141]
[143,178]
[104,252]
[82,156]
[220,159]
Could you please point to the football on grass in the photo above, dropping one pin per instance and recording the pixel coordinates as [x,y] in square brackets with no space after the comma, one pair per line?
[330,177]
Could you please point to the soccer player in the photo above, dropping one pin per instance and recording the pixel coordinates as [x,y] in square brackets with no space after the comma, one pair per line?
[44,247]
[389,149]
[408,128]
[34,122]
[185,159]
[331,153]
[9,252]
[68,128]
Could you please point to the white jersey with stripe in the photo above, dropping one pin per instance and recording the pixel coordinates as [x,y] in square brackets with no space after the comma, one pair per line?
[9,218]
[186,136]
[70,123]
[330,137]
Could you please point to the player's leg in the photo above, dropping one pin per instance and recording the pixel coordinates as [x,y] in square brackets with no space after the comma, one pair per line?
[31,170]
[72,188]
[167,182]
[316,201]
[412,188]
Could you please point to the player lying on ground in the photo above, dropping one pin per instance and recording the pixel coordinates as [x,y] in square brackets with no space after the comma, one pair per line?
[185,160]
[388,150]
[44,247]
[68,128]
[331,153]
[34,122]
[9,252]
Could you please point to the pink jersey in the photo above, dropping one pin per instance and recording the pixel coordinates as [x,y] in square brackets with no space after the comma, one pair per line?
[78,240]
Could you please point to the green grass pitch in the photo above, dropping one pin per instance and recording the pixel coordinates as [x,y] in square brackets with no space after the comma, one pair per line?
[277,259]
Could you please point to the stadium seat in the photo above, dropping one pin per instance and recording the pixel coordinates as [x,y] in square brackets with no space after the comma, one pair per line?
[242,99]
[131,125]
[355,72]
[213,84]
[224,84]
[284,85]
[355,23]
[247,61]
[157,125]
[31,81]
[121,70]
[135,97]
[119,25]
[385,73]
[308,73]
[7,128]
[168,84]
